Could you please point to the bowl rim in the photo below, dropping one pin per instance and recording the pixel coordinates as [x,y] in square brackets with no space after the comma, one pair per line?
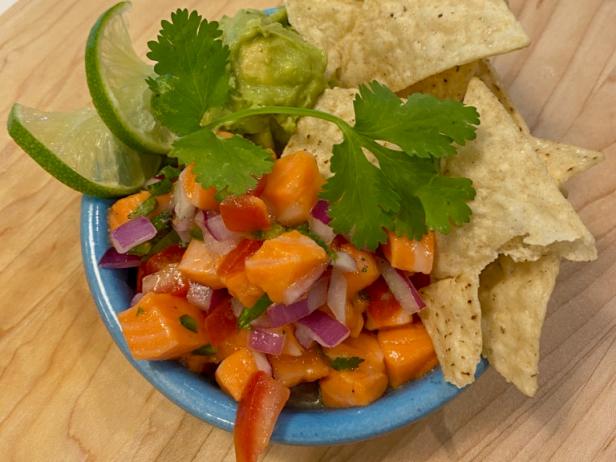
[394,410]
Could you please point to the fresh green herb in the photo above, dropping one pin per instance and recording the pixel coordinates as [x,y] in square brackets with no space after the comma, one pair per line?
[160,187]
[250,314]
[275,230]
[343,363]
[189,322]
[169,172]
[196,233]
[165,241]
[205,350]
[306,231]
[140,311]
[161,221]
[145,208]
[141,250]
[232,165]
[191,64]
[404,193]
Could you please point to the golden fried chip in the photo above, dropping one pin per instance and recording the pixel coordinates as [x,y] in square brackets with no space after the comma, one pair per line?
[516,197]
[318,136]
[452,318]
[514,298]
[324,23]
[449,84]
[400,42]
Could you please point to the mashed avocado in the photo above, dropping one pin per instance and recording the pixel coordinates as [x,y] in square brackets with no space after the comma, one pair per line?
[272,66]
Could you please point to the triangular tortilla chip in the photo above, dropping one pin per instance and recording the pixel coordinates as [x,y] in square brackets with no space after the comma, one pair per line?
[516,197]
[514,299]
[452,318]
[400,42]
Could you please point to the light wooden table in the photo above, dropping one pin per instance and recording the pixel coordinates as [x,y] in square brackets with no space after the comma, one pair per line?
[66,392]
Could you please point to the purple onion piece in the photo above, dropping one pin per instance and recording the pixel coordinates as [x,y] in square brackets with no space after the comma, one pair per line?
[114,260]
[321,211]
[327,331]
[131,234]
[280,315]
[266,341]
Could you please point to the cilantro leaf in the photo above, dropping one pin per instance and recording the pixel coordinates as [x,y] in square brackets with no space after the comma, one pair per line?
[191,64]
[343,363]
[232,165]
[423,126]
[359,186]
[428,199]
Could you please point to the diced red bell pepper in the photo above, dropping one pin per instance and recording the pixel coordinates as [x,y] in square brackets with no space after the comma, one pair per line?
[245,213]
[234,261]
[257,412]
[220,323]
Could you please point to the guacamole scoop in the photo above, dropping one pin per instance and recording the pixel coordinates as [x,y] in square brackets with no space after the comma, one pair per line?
[272,66]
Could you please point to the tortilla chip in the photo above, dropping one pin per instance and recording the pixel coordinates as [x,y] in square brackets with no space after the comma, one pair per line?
[400,42]
[318,136]
[488,75]
[449,84]
[515,196]
[324,23]
[452,318]
[514,299]
[564,161]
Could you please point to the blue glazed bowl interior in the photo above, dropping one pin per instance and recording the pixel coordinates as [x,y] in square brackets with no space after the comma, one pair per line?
[112,294]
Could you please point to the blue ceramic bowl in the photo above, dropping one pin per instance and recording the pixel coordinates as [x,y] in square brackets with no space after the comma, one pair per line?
[112,294]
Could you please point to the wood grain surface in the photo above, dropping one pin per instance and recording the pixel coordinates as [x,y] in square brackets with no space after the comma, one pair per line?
[67,393]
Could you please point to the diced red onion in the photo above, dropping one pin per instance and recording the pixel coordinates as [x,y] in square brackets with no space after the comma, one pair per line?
[184,210]
[344,262]
[321,211]
[262,362]
[266,341]
[325,232]
[401,287]
[132,233]
[317,296]
[138,296]
[216,227]
[296,290]
[218,247]
[337,295]
[327,331]
[420,280]
[204,297]
[114,260]
[279,314]
[304,336]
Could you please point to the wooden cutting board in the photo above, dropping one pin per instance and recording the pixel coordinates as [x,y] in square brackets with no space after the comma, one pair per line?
[67,393]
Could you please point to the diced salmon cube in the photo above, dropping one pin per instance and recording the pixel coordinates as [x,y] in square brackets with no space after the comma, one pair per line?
[245,213]
[283,262]
[292,188]
[409,255]
[367,270]
[408,351]
[383,308]
[234,372]
[162,326]
[121,209]
[200,197]
[200,264]
[293,370]
[360,386]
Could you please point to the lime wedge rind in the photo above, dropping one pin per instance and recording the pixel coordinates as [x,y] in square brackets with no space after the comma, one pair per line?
[55,165]
[116,80]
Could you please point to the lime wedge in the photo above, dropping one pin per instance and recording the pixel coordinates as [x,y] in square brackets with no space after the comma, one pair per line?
[116,79]
[80,151]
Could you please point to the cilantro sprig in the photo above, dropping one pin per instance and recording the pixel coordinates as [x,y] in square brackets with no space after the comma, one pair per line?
[405,192]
